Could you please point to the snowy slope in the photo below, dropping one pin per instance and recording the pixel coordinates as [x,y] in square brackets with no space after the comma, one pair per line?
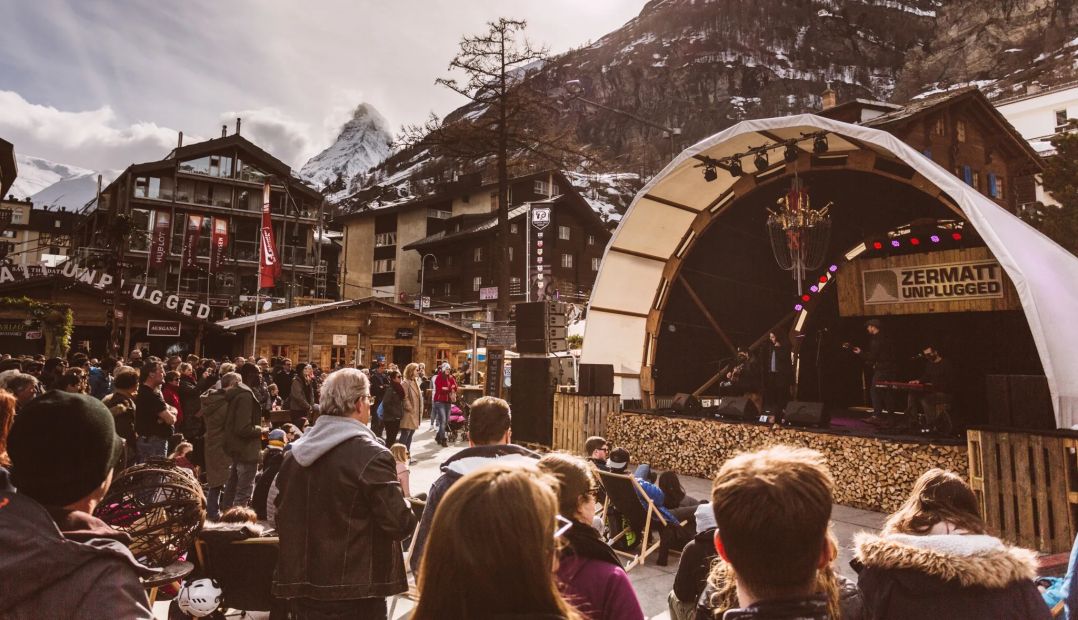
[37,173]
[364,142]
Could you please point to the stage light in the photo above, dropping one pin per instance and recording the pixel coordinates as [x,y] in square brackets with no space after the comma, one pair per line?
[915,241]
[823,279]
[791,153]
[710,174]
[798,308]
[734,167]
[895,243]
[760,161]
[805,297]
[935,238]
[819,144]
[814,288]
[957,236]
[876,245]
[833,268]
[855,252]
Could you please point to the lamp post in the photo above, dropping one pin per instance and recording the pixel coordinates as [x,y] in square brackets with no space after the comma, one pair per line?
[423,277]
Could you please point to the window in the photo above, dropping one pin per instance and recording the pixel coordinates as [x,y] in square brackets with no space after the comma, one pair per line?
[1061,117]
[514,283]
[976,180]
[477,283]
[384,265]
[510,253]
[995,186]
[555,190]
[513,228]
[567,261]
[540,188]
[439,214]
[447,290]
[7,234]
[563,232]
[940,127]
[449,260]
[967,175]
[960,130]
[595,264]
[16,216]
[477,255]
[56,223]
[280,350]
[385,239]
[591,239]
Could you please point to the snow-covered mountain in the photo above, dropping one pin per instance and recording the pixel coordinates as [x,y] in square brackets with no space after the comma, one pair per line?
[38,173]
[364,142]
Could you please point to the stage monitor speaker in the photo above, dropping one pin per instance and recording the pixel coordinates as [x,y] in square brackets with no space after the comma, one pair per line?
[736,407]
[804,413]
[685,404]
[533,400]
[596,379]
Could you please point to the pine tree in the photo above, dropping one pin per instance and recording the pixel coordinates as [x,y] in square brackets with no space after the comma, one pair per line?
[1061,181]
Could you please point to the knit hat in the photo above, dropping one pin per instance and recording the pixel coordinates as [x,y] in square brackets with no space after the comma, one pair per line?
[705,517]
[62,447]
[276,438]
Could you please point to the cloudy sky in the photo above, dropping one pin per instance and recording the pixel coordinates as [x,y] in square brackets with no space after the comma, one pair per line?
[107,83]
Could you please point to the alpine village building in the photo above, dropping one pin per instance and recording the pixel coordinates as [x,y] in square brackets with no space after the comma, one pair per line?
[453,229]
[220,181]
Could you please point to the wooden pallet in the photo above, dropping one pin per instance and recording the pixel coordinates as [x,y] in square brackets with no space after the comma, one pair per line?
[578,417]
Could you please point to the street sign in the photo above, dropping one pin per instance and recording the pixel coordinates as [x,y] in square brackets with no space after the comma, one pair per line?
[477,325]
[262,298]
[405,333]
[340,340]
[163,328]
[426,302]
[540,217]
[488,293]
[34,335]
[219,301]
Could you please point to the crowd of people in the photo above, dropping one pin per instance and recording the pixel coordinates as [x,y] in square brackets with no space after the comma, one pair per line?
[323,461]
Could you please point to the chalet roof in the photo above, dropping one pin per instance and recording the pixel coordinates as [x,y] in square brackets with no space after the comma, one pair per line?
[8,169]
[273,316]
[487,223]
[919,107]
[860,103]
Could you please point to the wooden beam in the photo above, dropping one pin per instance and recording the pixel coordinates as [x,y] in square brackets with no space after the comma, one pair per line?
[722,371]
[707,315]
[638,315]
[637,254]
[670,203]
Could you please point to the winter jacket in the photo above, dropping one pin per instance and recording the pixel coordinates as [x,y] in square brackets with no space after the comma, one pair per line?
[463,462]
[189,402]
[171,394]
[656,495]
[953,576]
[215,416]
[100,383]
[243,425]
[340,515]
[809,608]
[592,579]
[840,596]
[413,405]
[68,566]
[283,379]
[444,386]
[692,571]
[122,407]
[271,464]
[393,404]
[300,396]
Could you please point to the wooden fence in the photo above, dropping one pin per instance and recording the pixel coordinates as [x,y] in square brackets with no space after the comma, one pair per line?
[1027,484]
[578,417]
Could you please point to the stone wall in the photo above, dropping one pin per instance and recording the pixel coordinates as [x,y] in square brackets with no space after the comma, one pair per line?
[874,474]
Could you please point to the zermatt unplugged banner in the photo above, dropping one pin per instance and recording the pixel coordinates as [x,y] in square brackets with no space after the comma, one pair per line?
[104,282]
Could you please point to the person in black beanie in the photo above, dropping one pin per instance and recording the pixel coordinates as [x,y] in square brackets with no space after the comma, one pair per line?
[59,561]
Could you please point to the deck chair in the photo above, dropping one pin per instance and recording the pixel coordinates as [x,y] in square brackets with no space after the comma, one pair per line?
[625,494]
[243,568]
[412,594]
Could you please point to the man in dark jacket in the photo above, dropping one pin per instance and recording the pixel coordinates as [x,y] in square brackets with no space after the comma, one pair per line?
[341,513]
[379,383]
[489,434]
[282,376]
[881,357]
[153,417]
[691,577]
[243,438]
[59,561]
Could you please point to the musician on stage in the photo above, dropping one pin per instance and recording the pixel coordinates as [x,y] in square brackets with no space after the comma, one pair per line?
[779,375]
[939,374]
[743,379]
[880,355]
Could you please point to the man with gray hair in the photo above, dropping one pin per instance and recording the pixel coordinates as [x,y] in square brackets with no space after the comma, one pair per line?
[340,511]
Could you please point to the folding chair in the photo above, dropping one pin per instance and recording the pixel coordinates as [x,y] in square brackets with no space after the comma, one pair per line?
[243,568]
[625,494]
[413,590]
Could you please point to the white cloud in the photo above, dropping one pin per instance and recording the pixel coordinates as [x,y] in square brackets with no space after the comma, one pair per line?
[280,135]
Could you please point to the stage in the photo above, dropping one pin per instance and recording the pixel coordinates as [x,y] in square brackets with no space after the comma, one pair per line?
[873,471]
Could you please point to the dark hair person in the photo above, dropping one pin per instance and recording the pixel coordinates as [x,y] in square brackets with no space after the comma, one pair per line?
[934,560]
[7,417]
[492,549]
[589,572]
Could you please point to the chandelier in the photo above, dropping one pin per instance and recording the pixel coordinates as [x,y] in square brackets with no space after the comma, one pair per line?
[798,233]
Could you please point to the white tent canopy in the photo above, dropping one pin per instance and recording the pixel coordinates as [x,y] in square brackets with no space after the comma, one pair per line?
[655,226]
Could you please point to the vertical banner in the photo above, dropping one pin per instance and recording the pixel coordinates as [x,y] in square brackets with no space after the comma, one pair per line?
[270,265]
[218,243]
[190,240]
[159,243]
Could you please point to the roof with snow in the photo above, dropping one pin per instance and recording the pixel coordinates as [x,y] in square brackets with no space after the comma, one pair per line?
[283,314]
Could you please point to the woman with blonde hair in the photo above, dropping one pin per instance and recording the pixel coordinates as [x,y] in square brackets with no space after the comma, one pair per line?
[934,559]
[413,404]
[589,572]
[492,550]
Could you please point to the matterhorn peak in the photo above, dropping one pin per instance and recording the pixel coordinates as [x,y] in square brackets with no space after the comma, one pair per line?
[362,143]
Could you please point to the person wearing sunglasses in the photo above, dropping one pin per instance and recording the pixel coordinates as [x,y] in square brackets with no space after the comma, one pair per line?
[598,450]
[589,572]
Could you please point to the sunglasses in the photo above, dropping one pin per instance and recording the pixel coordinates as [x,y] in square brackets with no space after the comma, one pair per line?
[564,525]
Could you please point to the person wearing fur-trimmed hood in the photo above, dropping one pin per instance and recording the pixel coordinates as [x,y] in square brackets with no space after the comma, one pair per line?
[934,559]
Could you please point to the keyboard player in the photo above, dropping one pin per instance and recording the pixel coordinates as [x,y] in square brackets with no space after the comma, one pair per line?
[939,374]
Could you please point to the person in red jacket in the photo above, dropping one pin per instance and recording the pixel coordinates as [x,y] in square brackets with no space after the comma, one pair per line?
[445,393]
[170,391]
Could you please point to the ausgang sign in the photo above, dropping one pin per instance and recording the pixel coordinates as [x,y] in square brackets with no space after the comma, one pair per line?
[104,281]
[981,279]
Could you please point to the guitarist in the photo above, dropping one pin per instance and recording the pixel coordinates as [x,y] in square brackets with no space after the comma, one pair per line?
[880,356]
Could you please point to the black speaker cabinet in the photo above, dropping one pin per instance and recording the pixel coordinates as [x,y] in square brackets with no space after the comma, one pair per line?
[736,407]
[533,400]
[596,379]
[685,404]
[531,323]
[804,413]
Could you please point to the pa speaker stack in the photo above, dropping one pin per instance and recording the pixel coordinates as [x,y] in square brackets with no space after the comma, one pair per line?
[541,327]
[735,407]
[804,413]
[533,400]
[595,379]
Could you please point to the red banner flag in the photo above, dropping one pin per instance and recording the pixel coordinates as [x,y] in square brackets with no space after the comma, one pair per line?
[159,242]
[270,265]
[190,241]
[218,243]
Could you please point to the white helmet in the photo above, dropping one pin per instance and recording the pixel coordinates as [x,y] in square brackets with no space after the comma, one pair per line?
[199,598]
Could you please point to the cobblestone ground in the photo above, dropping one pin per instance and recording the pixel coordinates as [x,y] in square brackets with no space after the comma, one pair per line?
[652,582]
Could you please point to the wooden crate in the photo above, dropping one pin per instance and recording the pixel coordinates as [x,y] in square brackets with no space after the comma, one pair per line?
[578,417]
[1027,484]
